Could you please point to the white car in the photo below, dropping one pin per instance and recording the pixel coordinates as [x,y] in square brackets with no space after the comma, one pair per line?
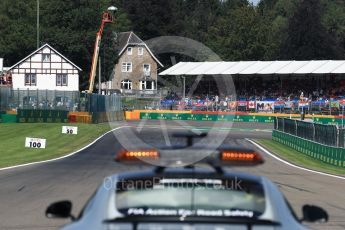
[187,198]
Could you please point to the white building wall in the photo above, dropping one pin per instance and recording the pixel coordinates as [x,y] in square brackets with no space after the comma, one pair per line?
[46,50]
[45,72]
[25,65]
[46,81]
[36,57]
[56,58]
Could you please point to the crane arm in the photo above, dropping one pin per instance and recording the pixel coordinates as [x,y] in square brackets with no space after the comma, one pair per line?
[106,18]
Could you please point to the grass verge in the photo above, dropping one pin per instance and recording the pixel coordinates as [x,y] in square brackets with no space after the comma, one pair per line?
[12,141]
[298,158]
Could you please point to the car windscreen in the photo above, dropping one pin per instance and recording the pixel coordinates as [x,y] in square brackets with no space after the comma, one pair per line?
[231,197]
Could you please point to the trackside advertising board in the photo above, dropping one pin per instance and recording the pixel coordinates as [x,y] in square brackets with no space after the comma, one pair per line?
[206,117]
[231,117]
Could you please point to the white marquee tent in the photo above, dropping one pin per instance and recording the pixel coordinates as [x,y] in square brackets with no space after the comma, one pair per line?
[257,67]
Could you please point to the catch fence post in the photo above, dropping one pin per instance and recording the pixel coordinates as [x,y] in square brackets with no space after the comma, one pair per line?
[18,100]
[337,127]
[46,100]
[313,131]
[27,98]
[63,100]
[36,98]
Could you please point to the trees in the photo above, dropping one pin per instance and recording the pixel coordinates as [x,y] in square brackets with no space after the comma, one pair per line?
[72,29]
[239,35]
[17,29]
[151,18]
[307,38]
[275,15]
[69,26]
[334,20]
[234,29]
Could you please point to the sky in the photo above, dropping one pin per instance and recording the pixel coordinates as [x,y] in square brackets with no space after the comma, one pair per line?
[255,2]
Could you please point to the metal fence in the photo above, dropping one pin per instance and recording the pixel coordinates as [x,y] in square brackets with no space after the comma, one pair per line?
[144,93]
[14,99]
[331,135]
[131,103]
[327,154]
[101,103]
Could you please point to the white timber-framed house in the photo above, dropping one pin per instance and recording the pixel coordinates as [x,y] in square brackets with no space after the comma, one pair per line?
[45,69]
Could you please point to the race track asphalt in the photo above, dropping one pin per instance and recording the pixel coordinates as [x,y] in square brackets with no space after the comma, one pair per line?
[26,192]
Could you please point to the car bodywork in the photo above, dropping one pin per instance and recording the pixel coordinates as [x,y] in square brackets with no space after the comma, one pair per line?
[101,212]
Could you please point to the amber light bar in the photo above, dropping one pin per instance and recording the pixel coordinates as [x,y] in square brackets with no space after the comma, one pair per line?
[135,154]
[241,156]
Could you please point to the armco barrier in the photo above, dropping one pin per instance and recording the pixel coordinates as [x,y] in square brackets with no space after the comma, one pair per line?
[327,154]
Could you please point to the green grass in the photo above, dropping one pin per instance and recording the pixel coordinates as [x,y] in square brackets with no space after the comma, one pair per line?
[12,141]
[299,158]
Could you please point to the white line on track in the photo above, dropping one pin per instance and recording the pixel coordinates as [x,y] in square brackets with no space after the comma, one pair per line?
[154,127]
[59,158]
[165,133]
[85,147]
[293,165]
[77,151]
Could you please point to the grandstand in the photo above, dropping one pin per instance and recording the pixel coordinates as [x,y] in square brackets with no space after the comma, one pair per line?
[266,86]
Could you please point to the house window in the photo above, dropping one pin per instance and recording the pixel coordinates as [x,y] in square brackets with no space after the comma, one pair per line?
[140,51]
[126,66]
[146,69]
[129,50]
[147,85]
[61,79]
[126,84]
[45,57]
[30,79]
